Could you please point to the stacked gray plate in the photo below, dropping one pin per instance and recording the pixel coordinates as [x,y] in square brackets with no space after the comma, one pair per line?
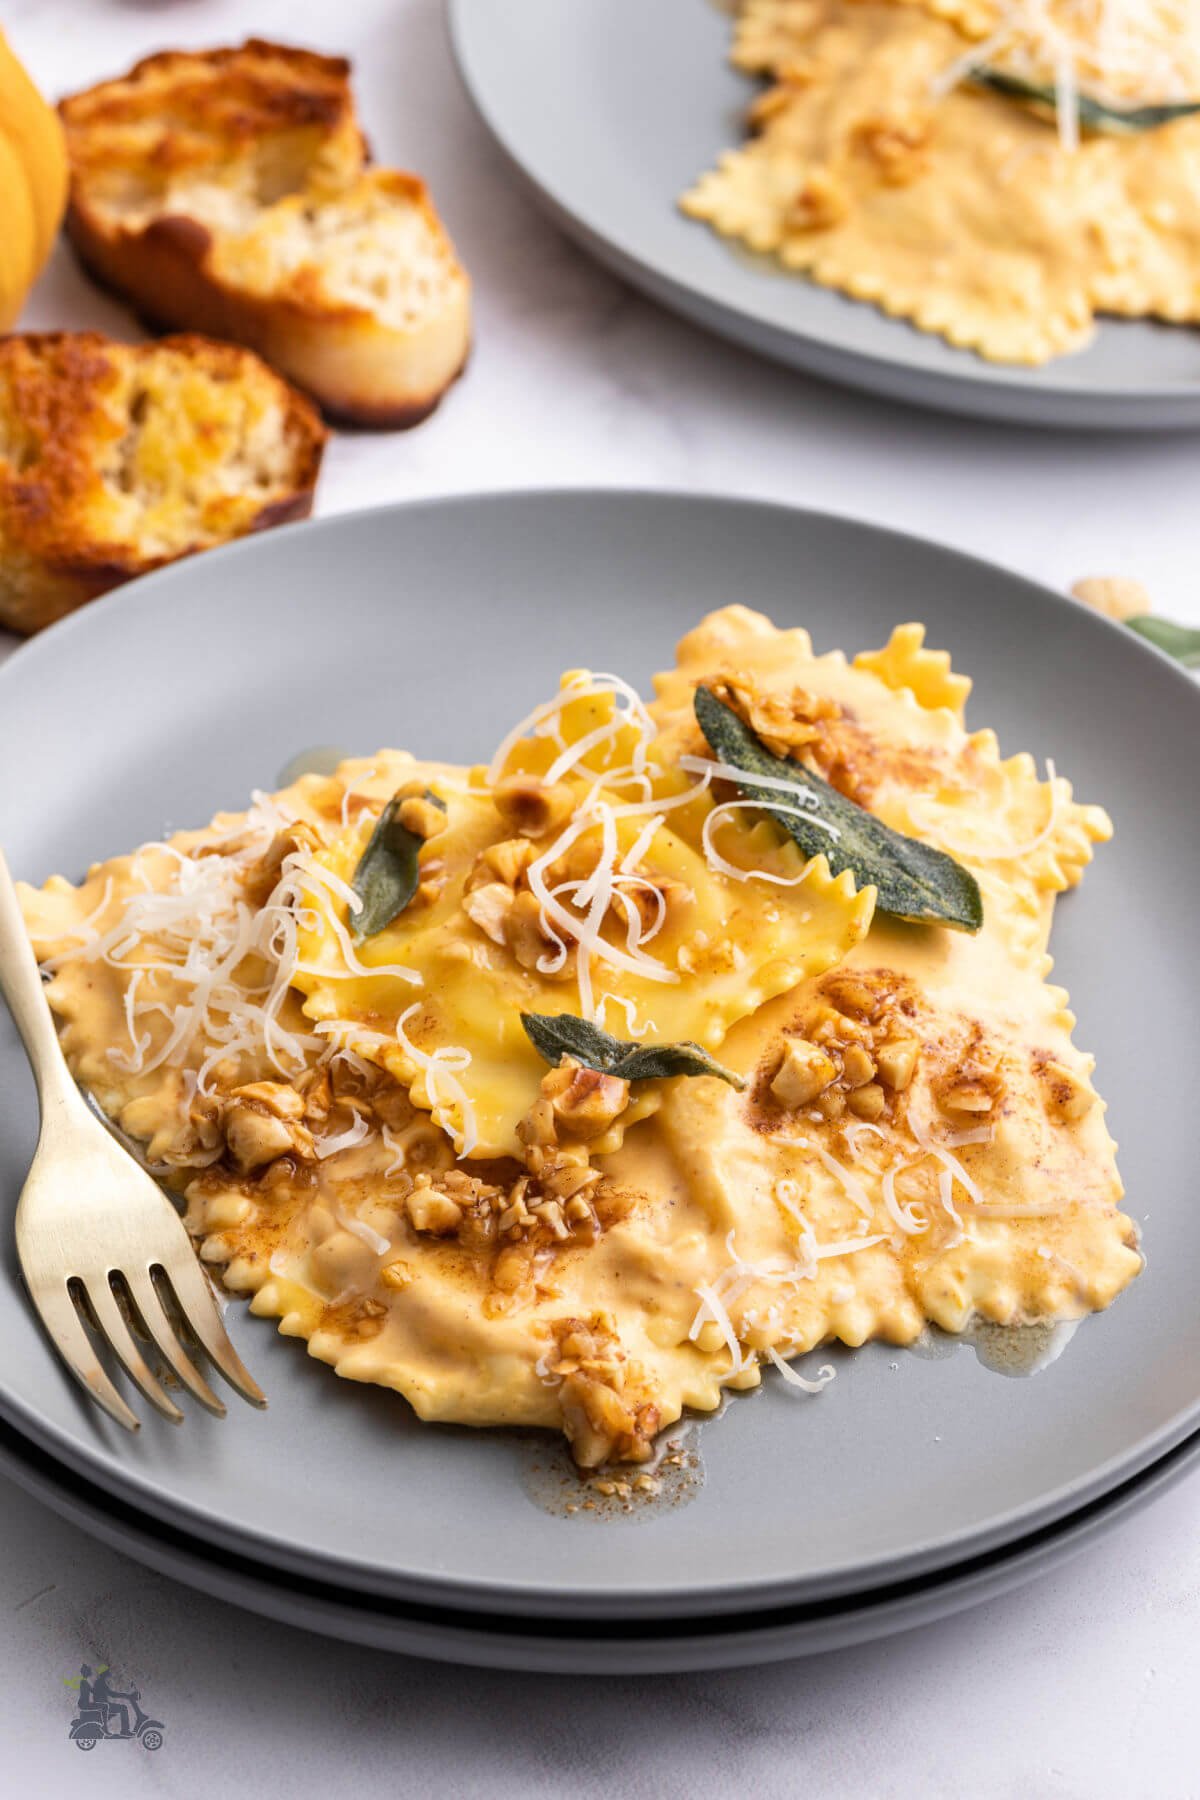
[912,1485]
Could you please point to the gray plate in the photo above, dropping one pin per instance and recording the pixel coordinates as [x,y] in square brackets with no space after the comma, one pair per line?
[660,1647]
[435,625]
[611,108]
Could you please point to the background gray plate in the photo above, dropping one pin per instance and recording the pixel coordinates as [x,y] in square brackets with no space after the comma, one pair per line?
[593,1648]
[435,625]
[611,108]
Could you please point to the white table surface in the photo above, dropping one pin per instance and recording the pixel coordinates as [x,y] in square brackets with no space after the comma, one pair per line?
[1083,1685]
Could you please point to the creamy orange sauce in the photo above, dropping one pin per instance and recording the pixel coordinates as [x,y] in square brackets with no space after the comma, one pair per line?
[714,1229]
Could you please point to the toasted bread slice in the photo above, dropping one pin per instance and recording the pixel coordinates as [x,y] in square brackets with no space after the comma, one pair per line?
[118,458]
[228,192]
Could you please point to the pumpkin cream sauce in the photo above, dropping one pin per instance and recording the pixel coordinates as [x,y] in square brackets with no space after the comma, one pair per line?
[577,1091]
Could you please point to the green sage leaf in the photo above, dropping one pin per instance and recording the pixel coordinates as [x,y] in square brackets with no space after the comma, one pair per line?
[555,1035]
[1179,641]
[1094,115]
[388,871]
[912,880]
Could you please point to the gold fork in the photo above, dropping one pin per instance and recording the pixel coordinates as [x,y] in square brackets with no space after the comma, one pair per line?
[89,1219]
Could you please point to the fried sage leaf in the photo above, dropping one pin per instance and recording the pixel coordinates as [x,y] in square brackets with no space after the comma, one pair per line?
[555,1035]
[1178,641]
[1094,115]
[388,871]
[912,880]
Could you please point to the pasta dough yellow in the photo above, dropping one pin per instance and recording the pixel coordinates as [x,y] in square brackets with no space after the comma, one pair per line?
[957,208]
[482,955]
[372,1151]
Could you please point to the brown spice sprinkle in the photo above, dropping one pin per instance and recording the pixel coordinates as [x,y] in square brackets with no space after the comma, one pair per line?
[356,1320]
[853,1049]
[859,1043]
[826,738]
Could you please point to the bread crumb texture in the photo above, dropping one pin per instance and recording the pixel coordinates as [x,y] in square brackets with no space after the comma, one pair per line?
[229,191]
[118,458]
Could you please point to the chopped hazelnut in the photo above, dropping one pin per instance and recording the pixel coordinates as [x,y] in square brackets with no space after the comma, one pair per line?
[820,203]
[488,907]
[584,1101]
[965,1093]
[537,1127]
[256,1138]
[528,806]
[1116,596]
[802,1074]
[858,1066]
[896,144]
[896,1062]
[832,1103]
[566,1179]
[508,859]
[866,1102]
[278,1097]
[1067,1096]
[432,1211]
[853,997]
[523,930]
[421,816]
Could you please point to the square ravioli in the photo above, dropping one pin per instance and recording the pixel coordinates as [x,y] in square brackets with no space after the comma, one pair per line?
[1002,217]
[575,1090]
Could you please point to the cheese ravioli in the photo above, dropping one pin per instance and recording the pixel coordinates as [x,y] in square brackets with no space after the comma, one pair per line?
[372,1150]
[550,891]
[876,167]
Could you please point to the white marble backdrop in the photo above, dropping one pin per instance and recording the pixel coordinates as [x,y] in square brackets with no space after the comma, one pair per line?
[1082,1687]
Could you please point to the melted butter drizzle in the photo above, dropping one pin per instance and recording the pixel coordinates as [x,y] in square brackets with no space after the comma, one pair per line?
[675,1476]
[1016,1351]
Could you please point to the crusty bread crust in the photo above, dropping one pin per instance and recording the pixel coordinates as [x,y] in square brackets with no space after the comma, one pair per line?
[180,121]
[87,502]
[358,372]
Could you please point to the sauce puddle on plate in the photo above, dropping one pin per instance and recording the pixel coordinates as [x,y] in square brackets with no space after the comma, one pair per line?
[627,1493]
[1012,1350]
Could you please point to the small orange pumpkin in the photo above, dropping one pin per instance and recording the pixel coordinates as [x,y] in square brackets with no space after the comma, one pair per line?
[33,183]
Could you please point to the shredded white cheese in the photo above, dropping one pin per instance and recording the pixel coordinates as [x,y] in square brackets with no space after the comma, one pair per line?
[906,1218]
[793,1377]
[374,1240]
[343,1140]
[633,1029]
[1122,53]
[850,1183]
[441,1069]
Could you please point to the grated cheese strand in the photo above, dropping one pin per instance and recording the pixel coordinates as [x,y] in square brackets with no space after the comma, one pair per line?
[720,866]
[441,1070]
[793,1377]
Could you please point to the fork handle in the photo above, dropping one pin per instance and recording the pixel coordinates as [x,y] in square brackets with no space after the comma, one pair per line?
[21,985]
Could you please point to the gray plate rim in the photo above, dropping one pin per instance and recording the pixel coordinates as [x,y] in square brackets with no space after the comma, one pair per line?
[658,1648]
[118,1479]
[1001,392]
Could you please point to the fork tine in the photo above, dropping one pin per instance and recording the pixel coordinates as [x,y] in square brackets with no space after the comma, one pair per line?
[58,1314]
[111,1322]
[195,1300]
[150,1310]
